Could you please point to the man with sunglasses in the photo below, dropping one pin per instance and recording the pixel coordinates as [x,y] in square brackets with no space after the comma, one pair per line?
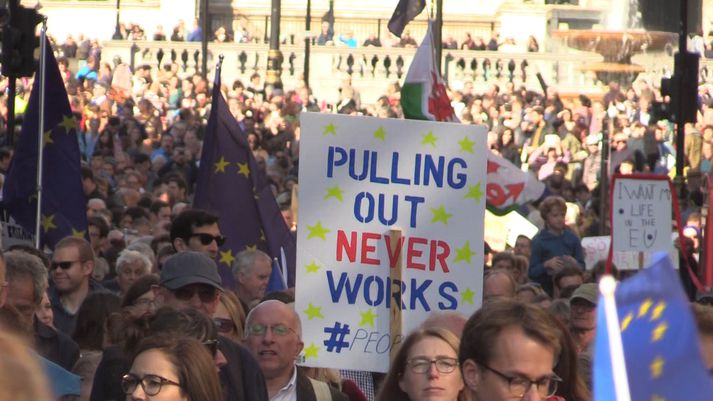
[71,271]
[196,230]
[508,351]
[190,280]
[273,333]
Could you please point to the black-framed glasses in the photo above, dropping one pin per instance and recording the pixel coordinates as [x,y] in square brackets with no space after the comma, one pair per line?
[423,365]
[150,383]
[206,239]
[223,325]
[205,293]
[212,346]
[519,386]
[64,265]
[259,329]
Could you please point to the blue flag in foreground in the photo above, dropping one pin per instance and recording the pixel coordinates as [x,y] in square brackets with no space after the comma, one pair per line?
[404,13]
[231,184]
[659,338]
[277,279]
[63,201]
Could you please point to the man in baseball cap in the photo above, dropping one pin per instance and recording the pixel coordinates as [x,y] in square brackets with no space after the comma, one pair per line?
[583,317]
[190,280]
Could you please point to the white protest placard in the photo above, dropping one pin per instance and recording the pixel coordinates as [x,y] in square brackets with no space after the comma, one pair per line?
[360,177]
[501,231]
[13,233]
[597,248]
[641,215]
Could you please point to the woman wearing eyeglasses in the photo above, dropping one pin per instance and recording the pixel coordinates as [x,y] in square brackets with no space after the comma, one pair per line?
[425,368]
[169,368]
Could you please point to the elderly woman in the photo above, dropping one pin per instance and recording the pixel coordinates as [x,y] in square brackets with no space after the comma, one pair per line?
[130,266]
[425,368]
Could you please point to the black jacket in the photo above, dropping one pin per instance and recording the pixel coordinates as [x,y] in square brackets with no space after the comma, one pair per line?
[55,345]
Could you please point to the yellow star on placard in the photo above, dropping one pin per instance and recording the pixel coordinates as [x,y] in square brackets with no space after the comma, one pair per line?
[330,129]
[311,351]
[221,164]
[47,137]
[251,247]
[48,223]
[334,192]
[474,192]
[627,321]
[68,123]
[645,306]
[467,296]
[658,333]
[368,318]
[380,133]
[440,214]
[312,268]
[464,253]
[466,145]
[429,139]
[313,312]
[77,233]
[243,169]
[317,231]
[227,257]
[656,367]
[658,310]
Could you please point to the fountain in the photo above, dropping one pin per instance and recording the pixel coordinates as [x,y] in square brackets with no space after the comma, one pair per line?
[622,38]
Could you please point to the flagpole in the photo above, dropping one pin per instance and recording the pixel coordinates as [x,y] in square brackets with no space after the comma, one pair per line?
[607,287]
[41,128]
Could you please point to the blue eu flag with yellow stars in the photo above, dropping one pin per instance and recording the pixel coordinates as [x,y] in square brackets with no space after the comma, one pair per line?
[63,201]
[231,184]
[659,338]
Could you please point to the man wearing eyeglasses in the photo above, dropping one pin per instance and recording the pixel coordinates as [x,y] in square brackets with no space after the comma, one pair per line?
[190,280]
[273,333]
[508,351]
[196,230]
[71,280]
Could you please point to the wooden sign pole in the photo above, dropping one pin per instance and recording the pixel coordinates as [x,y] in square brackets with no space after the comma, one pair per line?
[395,326]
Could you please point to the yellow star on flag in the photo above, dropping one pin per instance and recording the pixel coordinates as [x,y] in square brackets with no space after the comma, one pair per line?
[312,267]
[656,367]
[317,230]
[368,318]
[77,233]
[380,133]
[227,257]
[429,139]
[330,129]
[221,164]
[250,247]
[657,398]
[313,312]
[474,192]
[645,306]
[48,223]
[658,333]
[243,169]
[467,296]
[47,137]
[627,321]
[658,310]
[464,253]
[334,192]
[311,351]
[262,235]
[440,214]
[68,123]
[466,145]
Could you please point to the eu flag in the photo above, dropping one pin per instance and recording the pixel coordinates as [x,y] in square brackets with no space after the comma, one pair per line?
[404,13]
[659,339]
[63,203]
[231,184]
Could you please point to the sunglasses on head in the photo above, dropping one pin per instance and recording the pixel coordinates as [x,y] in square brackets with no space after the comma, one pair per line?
[206,294]
[206,239]
[66,265]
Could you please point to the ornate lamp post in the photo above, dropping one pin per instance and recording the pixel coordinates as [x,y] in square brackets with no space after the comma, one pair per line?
[117,29]
[274,56]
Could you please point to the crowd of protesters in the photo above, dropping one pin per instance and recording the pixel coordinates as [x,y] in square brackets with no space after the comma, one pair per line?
[139,310]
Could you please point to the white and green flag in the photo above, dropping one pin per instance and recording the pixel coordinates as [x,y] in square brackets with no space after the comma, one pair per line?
[424,96]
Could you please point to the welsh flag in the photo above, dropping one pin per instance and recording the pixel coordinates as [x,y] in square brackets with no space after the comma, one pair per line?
[424,97]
